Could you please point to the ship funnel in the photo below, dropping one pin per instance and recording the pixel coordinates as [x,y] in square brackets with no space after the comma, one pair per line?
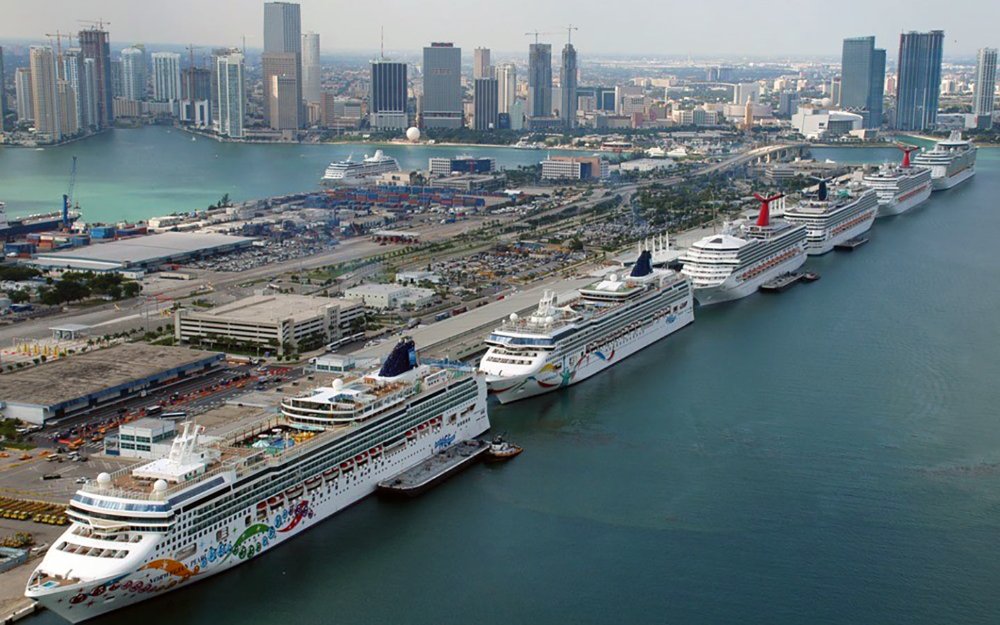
[402,359]
[906,149]
[643,266]
[764,218]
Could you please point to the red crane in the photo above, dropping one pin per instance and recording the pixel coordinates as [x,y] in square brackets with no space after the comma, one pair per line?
[764,219]
[906,149]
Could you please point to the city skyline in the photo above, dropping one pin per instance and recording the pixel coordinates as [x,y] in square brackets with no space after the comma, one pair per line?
[502,31]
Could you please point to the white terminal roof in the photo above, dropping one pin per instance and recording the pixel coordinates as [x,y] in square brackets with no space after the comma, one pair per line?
[274,308]
[145,250]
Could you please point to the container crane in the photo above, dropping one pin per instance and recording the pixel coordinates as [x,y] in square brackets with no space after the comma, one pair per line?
[68,196]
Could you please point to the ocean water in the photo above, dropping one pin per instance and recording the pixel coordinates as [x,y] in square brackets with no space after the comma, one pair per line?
[829,455]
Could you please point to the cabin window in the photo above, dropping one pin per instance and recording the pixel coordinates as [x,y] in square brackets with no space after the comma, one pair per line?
[246,521]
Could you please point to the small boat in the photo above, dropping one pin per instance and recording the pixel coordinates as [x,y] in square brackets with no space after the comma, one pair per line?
[810,276]
[501,450]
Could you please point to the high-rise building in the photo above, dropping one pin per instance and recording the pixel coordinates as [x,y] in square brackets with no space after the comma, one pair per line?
[95,45]
[506,76]
[387,100]
[66,98]
[835,90]
[3,92]
[280,65]
[539,80]
[862,79]
[166,76]
[285,104]
[90,113]
[42,61]
[23,95]
[231,95]
[282,57]
[744,90]
[442,101]
[481,67]
[117,80]
[986,84]
[567,86]
[195,96]
[517,114]
[311,68]
[73,71]
[133,74]
[485,99]
[918,84]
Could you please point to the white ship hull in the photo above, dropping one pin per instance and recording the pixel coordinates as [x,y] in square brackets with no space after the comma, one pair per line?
[733,289]
[244,541]
[577,367]
[901,205]
[861,224]
[942,183]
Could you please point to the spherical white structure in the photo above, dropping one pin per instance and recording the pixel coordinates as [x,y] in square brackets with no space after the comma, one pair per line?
[337,386]
[413,134]
[513,316]
[104,479]
[160,486]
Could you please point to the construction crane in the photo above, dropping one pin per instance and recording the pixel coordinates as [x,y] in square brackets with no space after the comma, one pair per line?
[98,23]
[68,196]
[569,33]
[59,37]
[536,34]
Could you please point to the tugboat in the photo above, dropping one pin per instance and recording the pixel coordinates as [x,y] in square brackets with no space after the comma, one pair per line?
[501,450]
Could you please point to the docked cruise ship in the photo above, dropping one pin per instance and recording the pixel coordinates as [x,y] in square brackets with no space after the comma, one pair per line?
[211,505]
[351,172]
[560,345]
[834,216]
[900,187]
[733,264]
[951,162]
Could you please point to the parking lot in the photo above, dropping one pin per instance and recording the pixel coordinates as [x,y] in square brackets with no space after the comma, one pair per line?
[22,479]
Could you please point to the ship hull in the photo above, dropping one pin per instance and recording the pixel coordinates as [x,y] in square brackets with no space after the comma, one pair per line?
[733,289]
[901,205]
[943,183]
[574,368]
[244,539]
[856,226]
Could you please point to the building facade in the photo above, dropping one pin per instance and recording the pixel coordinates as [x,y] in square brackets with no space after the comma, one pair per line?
[311,68]
[388,96]
[574,168]
[23,95]
[231,95]
[918,84]
[442,101]
[862,79]
[95,45]
[133,74]
[485,99]
[539,80]
[506,76]
[985,88]
[166,76]
[481,65]
[282,57]
[281,69]
[568,86]
[75,73]
[42,61]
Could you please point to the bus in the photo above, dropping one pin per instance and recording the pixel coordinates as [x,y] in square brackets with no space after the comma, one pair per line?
[153,410]
[180,414]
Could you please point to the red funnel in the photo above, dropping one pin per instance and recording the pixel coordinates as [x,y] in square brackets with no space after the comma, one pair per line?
[764,218]
[906,149]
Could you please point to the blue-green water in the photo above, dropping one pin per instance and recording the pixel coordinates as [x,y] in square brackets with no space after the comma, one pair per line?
[135,174]
[830,455]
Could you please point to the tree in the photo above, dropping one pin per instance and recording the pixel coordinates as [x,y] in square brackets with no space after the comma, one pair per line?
[19,296]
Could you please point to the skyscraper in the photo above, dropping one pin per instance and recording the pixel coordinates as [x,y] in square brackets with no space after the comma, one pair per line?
[442,101]
[66,99]
[481,67]
[166,76]
[311,68]
[485,96]
[282,55]
[232,98]
[42,61]
[94,43]
[539,80]
[387,100]
[506,76]
[3,93]
[75,75]
[919,82]
[24,97]
[195,97]
[567,85]
[133,74]
[986,83]
[862,79]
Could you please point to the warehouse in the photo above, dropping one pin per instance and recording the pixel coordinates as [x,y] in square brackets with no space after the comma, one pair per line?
[273,322]
[95,379]
[140,254]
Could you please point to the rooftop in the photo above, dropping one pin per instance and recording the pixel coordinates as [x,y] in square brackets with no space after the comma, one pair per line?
[147,249]
[273,308]
[80,375]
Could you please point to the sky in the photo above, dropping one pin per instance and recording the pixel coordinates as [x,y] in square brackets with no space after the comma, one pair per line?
[699,28]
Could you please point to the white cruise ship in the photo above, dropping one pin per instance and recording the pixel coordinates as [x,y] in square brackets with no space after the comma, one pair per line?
[732,265]
[900,187]
[835,215]
[608,321]
[951,162]
[351,172]
[210,506]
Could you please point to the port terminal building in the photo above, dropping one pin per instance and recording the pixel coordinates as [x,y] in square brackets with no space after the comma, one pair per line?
[144,254]
[96,379]
[271,322]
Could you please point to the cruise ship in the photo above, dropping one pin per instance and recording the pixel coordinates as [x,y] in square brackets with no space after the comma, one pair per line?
[900,187]
[951,162]
[733,264]
[609,320]
[211,505]
[351,172]
[832,217]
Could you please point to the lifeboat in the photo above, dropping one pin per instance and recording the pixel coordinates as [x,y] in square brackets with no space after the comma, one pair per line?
[436,421]
[293,492]
[363,456]
[262,505]
[422,427]
[329,473]
[314,483]
[346,465]
[274,502]
[411,434]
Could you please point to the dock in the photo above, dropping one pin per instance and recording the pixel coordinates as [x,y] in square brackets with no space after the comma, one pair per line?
[434,470]
[852,244]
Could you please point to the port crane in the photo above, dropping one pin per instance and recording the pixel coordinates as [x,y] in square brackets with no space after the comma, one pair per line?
[68,196]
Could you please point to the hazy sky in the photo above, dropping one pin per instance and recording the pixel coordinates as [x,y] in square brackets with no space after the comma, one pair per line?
[695,27]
